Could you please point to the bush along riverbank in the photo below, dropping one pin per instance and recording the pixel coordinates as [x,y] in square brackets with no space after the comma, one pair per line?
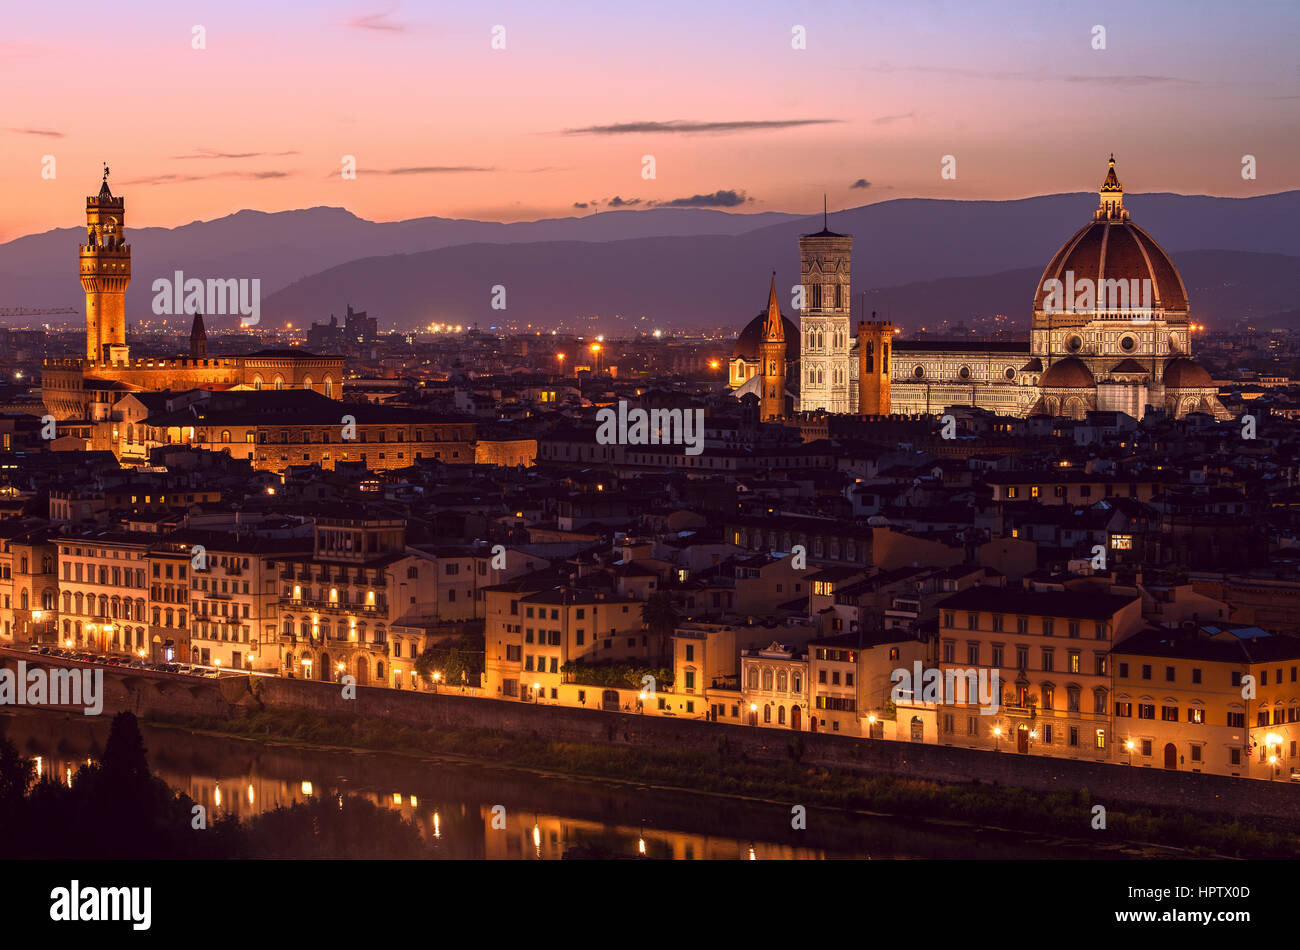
[729,772]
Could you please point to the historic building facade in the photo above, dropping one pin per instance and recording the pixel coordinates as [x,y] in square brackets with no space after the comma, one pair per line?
[85,389]
[1110,331]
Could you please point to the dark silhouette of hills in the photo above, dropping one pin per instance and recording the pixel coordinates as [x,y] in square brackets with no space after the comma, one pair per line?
[919,259]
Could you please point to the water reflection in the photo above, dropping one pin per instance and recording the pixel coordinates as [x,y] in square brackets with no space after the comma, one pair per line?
[466,810]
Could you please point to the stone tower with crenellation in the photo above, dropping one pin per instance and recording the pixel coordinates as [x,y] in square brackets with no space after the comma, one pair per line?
[105,274]
[875,340]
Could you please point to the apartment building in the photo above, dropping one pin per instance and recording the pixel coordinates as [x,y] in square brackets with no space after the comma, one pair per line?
[169,566]
[1216,698]
[103,578]
[338,601]
[1051,652]
[233,596]
[28,584]
[774,686]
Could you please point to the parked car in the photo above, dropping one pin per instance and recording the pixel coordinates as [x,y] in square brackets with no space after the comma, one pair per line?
[44,651]
[34,648]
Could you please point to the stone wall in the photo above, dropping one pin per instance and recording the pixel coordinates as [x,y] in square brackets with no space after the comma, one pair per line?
[1113,785]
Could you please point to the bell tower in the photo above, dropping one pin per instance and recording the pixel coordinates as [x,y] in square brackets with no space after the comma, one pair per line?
[875,339]
[825,320]
[772,352]
[105,274]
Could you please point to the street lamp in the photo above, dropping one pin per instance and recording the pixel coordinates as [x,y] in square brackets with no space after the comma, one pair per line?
[537,688]
[1129,745]
[997,738]
[871,726]
[753,714]
[1271,740]
[436,677]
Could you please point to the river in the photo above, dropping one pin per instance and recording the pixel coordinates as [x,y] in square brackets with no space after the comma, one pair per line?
[454,803]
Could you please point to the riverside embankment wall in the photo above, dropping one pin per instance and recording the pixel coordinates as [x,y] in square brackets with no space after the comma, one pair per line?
[146,693]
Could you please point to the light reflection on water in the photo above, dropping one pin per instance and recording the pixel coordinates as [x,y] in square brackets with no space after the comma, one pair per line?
[466,810]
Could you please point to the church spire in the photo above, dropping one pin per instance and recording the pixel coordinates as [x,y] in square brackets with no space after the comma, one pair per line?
[198,337]
[773,326]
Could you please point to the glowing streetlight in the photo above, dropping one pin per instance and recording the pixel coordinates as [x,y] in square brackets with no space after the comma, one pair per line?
[1129,746]
[997,738]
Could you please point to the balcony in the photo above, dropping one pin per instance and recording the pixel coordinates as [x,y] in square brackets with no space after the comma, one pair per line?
[334,606]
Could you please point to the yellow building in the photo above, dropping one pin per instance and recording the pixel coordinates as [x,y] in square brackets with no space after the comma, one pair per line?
[774,687]
[104,591]
[276,430]
[1216,699]
[1050,649]
[28,585]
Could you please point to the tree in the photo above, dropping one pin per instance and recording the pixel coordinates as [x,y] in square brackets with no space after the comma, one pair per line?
[659,615]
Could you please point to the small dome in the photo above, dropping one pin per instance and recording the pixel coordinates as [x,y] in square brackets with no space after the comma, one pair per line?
[1033,366]
[1182,373]
[746,347]
[1130,366]
[1069,373]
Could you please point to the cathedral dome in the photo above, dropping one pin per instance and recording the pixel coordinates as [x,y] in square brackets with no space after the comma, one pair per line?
[746,347]
[1069,373]
[1131,367]
[1111,247]
[1182,373]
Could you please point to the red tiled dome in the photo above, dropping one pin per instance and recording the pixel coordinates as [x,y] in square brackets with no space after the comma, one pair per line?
[746,347]
[1182,373]
[1117,250]
[1111,247]
[1069,373]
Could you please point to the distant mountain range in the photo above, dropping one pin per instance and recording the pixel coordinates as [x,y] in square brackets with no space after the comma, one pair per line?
[919,260]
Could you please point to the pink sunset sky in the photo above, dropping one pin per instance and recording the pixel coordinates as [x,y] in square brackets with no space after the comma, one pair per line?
[442,124]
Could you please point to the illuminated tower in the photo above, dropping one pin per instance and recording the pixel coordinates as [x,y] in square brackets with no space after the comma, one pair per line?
[105,273]
[875,337]
[824,322]
[772,353]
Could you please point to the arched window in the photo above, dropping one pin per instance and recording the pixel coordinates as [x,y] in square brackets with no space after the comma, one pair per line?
[781,682]
[767,680]
[753,678]
[279,382]
[306,382]
[767,713]
[225,435]
[329,388]
[780,715]
[257,384]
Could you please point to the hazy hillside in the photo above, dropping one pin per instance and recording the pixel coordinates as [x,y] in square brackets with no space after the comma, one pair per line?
[688,267]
